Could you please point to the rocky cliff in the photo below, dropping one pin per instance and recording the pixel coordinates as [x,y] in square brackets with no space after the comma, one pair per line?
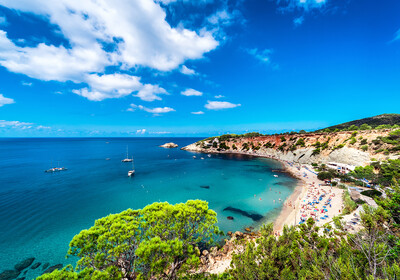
[354,148]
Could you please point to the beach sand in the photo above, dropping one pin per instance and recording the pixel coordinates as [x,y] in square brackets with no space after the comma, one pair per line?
[309,189]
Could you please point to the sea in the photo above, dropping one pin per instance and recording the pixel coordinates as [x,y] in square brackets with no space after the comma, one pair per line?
[41,212]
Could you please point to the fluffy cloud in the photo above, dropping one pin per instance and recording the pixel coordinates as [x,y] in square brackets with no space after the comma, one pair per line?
[191,92]
[219,96]
[156,111]
[187,71]
[219,105]
[4,123]
[141,131]
[126,34]
[150,92]
[198,113]
[5,100]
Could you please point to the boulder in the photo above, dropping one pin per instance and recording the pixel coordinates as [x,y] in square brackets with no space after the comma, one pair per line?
[169,145]
[52,268]
[205,252]
[238,234]
[36,265]
[9,274]
[247,229]
[24,264]
[230,218]
[229,233]
[205,187]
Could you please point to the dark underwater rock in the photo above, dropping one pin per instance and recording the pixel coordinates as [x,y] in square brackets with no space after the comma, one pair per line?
[36,265]
[24,264]
[9,274]
[205,187]
[46,265]
[52,268]
[20,278]
[254,216]
[230,218]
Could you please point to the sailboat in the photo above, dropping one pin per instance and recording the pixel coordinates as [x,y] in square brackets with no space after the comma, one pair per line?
[131,172]
[127,159]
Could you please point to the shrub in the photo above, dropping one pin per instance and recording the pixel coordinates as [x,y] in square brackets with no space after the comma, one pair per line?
[364,148]
[300,142]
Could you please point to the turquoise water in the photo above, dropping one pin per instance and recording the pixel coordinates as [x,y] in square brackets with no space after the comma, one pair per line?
[41,212]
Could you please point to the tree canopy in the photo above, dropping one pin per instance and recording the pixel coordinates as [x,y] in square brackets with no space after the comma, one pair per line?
[159,241]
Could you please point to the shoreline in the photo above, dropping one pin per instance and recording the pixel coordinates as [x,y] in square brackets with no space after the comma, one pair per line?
[288,214]
[296,207]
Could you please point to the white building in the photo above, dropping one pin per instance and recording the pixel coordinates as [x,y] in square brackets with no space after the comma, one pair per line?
[341,167]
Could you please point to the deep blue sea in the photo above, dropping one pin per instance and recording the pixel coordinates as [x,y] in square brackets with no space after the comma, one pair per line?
[41,212]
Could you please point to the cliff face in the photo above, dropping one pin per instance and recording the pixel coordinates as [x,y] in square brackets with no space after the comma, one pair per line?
[354,148]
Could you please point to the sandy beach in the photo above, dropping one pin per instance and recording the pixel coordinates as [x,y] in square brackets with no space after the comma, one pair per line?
[310,199]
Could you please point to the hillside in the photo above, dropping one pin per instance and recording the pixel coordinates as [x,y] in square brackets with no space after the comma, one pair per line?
[355,148]
[373,122]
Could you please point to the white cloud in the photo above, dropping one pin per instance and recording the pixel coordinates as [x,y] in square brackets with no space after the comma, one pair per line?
[150,92]
[156,111]
[141,131]
[220,17]
[187,71]
[4,123]
[160,132]
[263,56]
[4,100]
[305,5]
[198,113]
[191,92]
[109,86]
[135,31]
[27,84]
[218,105]
[219,96]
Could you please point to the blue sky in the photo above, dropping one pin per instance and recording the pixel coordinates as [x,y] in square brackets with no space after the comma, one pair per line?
[194,68]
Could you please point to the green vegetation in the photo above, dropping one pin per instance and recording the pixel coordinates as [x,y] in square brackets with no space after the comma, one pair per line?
[349,204]
[223,146]
[159,241]
[383,173]
[283,139]
[268,145]
[300,142]
[371,193]
[364,148]
[338,147]
[378,122]
[234,147]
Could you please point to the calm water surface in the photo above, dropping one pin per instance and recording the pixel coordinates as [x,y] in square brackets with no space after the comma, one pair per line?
[41,212]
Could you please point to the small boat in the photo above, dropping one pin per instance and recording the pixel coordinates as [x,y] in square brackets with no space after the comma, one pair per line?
[201,158]
[131,172]
[209,155]
[55,169]
[127,159]
[108,158]
[276,176]
[194,156]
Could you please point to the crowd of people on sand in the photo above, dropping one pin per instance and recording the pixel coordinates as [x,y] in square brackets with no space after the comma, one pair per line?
[316,203]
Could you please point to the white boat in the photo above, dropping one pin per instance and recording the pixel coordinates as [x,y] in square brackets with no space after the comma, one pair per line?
[194,156]
[127,159]
[55,169]
[209,155]
[201,158]
[276,176]
[131,172]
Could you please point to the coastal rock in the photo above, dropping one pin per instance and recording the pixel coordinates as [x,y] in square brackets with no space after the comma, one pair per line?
[229,233]
[238,234]
[9,274]
[52,268]
[46,265]
[247,229]
[205,253]
[24,264]
[36,265]
[169,145]
[229,218]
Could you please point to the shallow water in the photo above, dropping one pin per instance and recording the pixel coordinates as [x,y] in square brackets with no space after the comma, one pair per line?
[41,212]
